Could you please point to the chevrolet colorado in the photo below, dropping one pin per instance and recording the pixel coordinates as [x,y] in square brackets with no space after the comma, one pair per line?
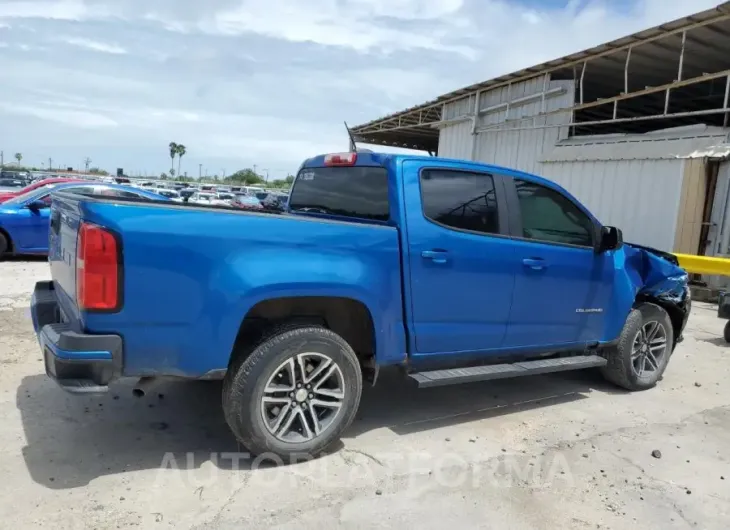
[456,271]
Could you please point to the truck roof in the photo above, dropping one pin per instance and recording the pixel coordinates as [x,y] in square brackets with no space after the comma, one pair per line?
[370,158]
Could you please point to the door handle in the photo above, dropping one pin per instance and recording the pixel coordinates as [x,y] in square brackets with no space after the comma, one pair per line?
[437,256]
[534,263]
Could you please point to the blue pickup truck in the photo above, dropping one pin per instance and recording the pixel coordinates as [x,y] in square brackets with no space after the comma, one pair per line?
[455,271]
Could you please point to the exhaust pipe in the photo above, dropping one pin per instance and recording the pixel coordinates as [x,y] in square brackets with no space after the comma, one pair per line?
[142,386]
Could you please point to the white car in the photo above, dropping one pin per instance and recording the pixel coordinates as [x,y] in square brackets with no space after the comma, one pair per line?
[207,198]
[170,194]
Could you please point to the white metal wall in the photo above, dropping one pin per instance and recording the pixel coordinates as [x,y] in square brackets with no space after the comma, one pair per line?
[639,196]
[455,141]
[498,141]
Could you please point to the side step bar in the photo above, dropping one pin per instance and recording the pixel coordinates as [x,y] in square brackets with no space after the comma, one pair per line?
[504,371]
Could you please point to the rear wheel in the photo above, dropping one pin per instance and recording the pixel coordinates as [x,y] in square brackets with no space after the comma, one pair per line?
[726,331]
[642,353]
[295,394]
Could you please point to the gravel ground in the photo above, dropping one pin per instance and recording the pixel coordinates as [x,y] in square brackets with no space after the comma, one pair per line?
[562,451]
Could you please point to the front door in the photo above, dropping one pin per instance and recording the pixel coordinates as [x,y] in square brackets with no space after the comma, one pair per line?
[460,269]
[36,229]
[563,287]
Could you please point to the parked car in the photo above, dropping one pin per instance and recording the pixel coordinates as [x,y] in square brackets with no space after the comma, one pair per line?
[382,259]
[207,198]
[246,202]
[24,219]
[185,194]
[275,201]
[170,194]
[14,174]
[225,196]
[11,184]
[6,195]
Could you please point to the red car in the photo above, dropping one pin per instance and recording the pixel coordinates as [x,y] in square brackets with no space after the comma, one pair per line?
[7,195]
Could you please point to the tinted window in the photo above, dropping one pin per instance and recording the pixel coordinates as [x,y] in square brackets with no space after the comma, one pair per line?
[126,195]
[83,190]
[358,191]
[548,215]
[460,200]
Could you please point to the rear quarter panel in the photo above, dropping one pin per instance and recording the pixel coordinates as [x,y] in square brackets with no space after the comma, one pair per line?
[191,275]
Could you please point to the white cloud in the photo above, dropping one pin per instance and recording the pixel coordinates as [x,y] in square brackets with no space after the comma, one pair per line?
[95,45]
[70,118]
[264,81]
[59,9]
[328,23]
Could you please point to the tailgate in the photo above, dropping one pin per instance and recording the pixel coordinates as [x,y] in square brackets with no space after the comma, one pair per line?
[65,218]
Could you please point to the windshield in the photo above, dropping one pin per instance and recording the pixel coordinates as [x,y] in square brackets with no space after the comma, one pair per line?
[357,191]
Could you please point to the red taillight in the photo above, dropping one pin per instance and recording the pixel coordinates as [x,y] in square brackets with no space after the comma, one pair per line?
[97,269]
[340,159]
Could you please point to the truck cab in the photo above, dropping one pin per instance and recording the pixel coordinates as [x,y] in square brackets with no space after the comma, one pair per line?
[453,270]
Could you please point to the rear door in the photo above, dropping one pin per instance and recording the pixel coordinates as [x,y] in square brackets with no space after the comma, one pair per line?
[461,261]
[562,287]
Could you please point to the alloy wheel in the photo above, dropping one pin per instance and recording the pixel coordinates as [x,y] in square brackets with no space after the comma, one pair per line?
[303,397]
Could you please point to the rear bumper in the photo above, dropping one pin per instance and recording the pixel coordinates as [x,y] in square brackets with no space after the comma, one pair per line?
[78,362]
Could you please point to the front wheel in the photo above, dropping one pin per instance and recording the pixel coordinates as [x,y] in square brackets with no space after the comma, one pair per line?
[295,394]
[4,245]
[642,353]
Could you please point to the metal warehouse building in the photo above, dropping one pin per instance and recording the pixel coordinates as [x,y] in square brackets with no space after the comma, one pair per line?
[637,129]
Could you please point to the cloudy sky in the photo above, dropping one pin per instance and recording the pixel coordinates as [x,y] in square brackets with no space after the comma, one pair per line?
[265,82]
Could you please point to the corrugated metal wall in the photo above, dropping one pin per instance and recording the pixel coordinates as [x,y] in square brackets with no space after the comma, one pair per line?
[638,183]
[519,149]
[455,141]
[639,196]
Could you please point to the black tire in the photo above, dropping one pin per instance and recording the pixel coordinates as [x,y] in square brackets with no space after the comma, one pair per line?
[620,368]
[726,332]
[247,377]
[4,245]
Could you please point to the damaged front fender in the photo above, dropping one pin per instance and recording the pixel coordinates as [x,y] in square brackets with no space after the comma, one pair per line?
[656,277]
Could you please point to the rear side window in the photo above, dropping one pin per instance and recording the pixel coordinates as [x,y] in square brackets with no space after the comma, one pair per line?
[459,199]
[548,215]
[122,193]
[355,191]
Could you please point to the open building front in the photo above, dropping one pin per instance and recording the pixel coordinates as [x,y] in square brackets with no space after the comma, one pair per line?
[637,129]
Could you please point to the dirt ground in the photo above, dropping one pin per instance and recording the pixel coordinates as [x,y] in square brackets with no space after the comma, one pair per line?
[562,451]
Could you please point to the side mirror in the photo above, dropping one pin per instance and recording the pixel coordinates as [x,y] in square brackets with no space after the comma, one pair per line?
[611,239]
[37,205]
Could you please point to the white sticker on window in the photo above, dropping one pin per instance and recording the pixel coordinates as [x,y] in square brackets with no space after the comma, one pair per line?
[307,175]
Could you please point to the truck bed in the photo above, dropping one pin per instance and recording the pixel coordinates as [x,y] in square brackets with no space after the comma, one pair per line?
[191,273]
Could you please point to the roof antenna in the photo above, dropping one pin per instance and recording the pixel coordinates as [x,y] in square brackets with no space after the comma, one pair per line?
[353,147]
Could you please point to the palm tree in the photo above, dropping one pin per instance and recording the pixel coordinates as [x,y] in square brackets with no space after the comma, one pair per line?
[173,152]
[18,157]
[180,153]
